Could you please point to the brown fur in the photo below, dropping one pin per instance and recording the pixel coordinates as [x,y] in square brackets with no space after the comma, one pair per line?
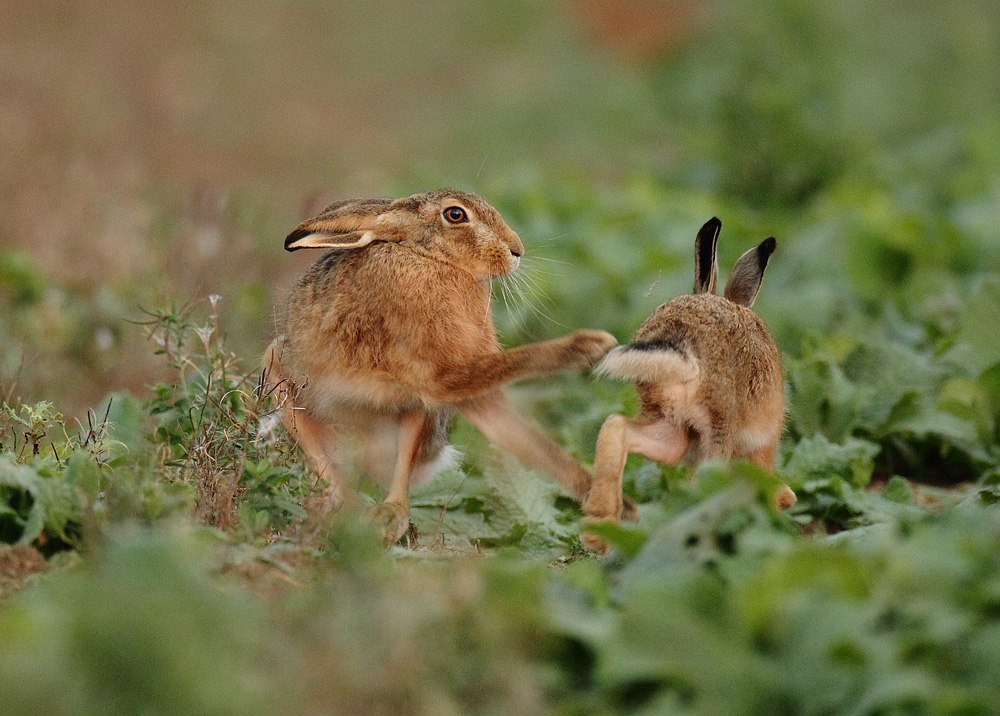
[390,333]
[709,380]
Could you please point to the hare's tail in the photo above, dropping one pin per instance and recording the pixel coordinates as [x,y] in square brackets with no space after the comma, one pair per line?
[649,362]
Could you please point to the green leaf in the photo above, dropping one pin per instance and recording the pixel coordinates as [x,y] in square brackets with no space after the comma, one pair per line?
[626,539]
[822,399]
[817,458]
[22,480]
[888,376]
[977,326]
[899,489]
[127,421]
[61,504]
[84,474]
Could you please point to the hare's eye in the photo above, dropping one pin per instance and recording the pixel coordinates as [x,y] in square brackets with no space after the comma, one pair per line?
[455,215]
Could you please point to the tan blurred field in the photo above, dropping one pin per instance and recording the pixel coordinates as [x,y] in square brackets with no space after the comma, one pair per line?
[155,153]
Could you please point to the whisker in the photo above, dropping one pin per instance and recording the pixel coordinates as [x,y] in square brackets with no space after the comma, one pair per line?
[530,290]
[550,239]
[549,259]
[533,282]
[483,165]
[505,295]
[524,300]
[508,295]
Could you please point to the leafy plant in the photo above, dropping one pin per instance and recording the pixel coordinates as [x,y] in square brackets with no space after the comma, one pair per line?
[58,489]
[207,422]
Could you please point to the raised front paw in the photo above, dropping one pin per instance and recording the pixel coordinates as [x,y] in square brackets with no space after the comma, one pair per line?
[585,348]
[391,518]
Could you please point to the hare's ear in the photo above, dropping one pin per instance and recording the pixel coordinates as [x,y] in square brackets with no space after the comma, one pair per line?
[347,224]
[706,267]
[744,282]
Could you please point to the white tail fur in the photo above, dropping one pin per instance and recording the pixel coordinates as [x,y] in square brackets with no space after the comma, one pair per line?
[641,364]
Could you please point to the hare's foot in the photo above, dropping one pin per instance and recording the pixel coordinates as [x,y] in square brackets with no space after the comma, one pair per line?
[592,541]
[784,498]
[393,519]
[321,502]
[608,511]
[627,512]
[584,348]
[321,507]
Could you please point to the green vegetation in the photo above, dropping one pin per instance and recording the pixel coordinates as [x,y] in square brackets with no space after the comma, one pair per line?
[155,555]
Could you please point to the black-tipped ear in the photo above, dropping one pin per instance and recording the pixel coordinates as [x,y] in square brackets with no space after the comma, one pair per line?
[344,225]
[744,282]
[706,266]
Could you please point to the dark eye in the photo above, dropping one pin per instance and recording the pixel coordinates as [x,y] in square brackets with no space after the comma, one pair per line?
[455,215]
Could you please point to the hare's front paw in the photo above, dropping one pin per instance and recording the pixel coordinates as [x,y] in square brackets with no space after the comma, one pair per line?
[391,518]
[585,348]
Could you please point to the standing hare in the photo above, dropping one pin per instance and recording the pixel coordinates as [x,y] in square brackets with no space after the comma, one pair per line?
[708,377]
[390,333]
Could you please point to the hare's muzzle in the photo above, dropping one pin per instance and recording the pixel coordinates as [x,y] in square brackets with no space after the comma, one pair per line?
[516,248]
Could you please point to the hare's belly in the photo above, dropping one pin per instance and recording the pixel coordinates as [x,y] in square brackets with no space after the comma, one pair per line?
[333,398]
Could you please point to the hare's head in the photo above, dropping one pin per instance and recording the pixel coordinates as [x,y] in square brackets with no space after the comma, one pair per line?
[456,227]
[745,279]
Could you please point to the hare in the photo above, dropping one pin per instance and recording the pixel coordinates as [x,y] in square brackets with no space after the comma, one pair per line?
[708,377]
[389,334]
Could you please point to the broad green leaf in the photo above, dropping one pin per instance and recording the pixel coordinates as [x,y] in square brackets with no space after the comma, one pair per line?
[822,399]
[628,540]
[898,489]
[977,327]
[817,458]
[24,480]
[84,474]
[127,422]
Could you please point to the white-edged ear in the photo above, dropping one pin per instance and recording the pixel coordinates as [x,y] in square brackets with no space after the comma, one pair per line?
[744,281]
[321,240]
[706,266]
[349,224]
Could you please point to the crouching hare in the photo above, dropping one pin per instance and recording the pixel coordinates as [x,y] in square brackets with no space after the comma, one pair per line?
[389,334]
[708,377]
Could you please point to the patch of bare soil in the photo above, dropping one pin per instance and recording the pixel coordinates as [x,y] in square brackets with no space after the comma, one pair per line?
[17,565]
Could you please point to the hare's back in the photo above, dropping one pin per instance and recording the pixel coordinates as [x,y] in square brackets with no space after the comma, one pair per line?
[727,339]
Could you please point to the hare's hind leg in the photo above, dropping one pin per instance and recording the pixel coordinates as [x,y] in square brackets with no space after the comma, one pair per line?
[783,498]
[314,438]
[316,441]
[417,428]
[661,440]
[503,426]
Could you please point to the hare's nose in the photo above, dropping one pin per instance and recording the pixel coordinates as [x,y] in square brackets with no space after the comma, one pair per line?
[517,253]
